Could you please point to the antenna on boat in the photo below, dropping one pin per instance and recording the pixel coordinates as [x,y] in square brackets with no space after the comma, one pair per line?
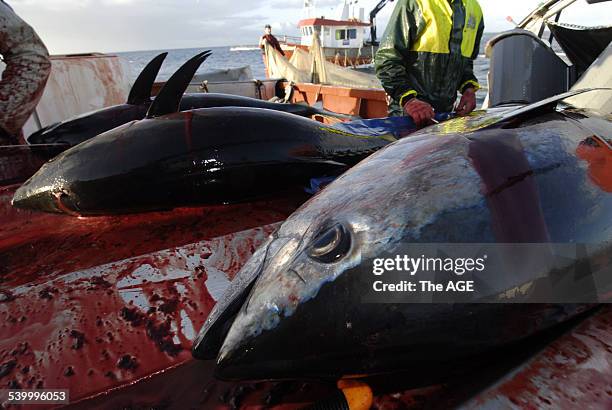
[141,90]
[169,98]
[309,8]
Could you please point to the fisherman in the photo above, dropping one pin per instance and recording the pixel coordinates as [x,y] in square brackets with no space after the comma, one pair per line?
[24,78]
[427,54]
[268,37]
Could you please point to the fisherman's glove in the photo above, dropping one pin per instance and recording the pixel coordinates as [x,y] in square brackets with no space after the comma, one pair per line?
[467,103]
[421,112]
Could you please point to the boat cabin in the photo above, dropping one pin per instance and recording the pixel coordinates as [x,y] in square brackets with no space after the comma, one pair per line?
[334,33]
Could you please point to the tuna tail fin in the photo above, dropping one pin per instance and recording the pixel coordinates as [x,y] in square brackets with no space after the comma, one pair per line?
[169,98]
[141,90]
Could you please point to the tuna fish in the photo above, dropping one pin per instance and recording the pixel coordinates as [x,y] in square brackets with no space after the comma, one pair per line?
[210,155]
[86,126]
[296,308]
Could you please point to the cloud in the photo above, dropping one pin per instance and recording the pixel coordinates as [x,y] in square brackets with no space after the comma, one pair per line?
[118,25]
[122,25]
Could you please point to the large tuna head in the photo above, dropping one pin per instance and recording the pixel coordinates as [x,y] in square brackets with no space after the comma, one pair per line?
[62,185]
[41,194]
[304,314]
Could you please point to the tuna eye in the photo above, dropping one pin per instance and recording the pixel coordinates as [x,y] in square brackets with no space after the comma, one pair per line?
[330,245]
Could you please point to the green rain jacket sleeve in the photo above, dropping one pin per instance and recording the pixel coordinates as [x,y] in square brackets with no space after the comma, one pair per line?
[469,79]
[394,51]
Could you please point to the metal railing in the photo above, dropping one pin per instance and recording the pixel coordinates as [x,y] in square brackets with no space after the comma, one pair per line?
[284,38]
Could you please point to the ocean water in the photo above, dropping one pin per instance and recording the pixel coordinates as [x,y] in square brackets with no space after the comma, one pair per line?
[225,57]
[221,58]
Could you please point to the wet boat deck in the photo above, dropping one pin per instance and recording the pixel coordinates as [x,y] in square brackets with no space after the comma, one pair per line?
[91,304]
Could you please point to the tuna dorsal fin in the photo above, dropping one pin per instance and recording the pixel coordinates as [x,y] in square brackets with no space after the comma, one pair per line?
[169,97]
[141,90]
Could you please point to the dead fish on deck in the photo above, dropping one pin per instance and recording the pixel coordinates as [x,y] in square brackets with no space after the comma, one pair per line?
[210,100]
[295,310]
[210,155]
[83,127]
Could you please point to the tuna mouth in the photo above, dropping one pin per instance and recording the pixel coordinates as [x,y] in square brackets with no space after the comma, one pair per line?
[213,333]
[65,203]
[261,340]
[44,200]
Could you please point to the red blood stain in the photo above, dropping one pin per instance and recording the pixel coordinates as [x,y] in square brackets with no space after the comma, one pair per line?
[598,154]
[510,188]
[37,246]
[95,306]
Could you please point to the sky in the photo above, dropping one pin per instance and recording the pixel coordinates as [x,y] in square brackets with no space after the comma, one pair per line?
[79,26]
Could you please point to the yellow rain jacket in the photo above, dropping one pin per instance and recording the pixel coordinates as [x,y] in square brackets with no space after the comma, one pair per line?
[428,52]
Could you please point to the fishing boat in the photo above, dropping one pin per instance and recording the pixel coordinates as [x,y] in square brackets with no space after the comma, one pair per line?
[347,38]
[342,36]
[108,307]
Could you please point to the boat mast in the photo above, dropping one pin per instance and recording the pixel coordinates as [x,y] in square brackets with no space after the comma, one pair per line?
[309,9]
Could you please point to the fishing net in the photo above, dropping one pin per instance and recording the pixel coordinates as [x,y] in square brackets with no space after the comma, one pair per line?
[313,67]
[279,67]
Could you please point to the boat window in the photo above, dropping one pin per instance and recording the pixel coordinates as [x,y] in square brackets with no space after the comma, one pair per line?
[352,33]
[310,30]
[340,34]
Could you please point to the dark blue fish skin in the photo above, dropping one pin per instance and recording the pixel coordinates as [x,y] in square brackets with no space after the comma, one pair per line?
[204,156]
[521,183]
[86,126]
[82,127]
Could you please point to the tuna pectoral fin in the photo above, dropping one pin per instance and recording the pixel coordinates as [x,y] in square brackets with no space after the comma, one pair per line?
[141,90]
[169,98]
[543,106]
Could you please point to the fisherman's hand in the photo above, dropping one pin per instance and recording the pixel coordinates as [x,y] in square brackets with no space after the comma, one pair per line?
[467,103]
[421,112]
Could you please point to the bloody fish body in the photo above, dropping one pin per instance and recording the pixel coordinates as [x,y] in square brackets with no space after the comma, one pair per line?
[212,155]
[296,308]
